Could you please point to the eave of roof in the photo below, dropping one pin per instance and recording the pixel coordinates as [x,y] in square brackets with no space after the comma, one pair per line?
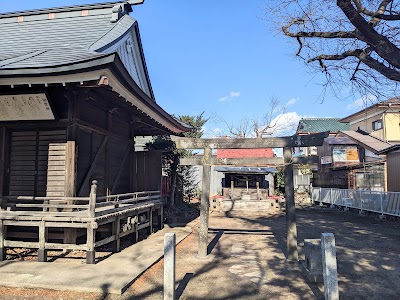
[369,142]
[110,67]
[246,170]
[68,8]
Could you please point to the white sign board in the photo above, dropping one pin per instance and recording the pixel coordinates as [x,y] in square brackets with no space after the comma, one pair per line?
[326,160]
[25,107]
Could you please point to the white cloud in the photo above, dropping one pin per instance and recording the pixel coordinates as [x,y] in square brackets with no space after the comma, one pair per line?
[230,96]
[361,103]
[292,101]
[285,124]
[211,132]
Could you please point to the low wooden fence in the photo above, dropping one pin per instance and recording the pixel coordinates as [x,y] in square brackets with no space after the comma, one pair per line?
[112,217]
[384,203]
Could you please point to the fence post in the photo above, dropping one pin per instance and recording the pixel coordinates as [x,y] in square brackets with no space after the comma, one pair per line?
[329,266]
[320,197]
[169,266]
[382,216]
[92,199]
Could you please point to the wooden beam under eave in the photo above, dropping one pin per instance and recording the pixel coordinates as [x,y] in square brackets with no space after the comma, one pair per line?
[198,160]
[305,160]
[253,161]
[240,143]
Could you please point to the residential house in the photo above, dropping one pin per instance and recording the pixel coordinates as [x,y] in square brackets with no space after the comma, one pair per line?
[302,174]
[381,120]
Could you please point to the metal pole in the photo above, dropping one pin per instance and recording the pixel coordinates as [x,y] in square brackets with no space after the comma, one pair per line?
[204,205]
[290,207]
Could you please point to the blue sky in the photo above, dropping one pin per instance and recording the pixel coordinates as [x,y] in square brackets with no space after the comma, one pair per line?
[220,57]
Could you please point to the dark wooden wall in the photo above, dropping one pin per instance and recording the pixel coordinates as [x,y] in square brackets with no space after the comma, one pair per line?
[393,171]
[103,133]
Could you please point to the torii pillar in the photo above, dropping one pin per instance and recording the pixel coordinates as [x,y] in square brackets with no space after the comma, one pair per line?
[204,204]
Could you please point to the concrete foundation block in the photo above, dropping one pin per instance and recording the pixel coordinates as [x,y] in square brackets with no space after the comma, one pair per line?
[312,265]
[362,212]
[382,217]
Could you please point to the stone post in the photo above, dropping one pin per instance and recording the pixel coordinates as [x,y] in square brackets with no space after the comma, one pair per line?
[204,205]
[329,266]
[169,266]
[290,207]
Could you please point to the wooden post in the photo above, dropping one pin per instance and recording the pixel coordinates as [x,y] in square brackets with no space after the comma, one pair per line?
[290,207]
[90,240]
[151,220]
[91,226]
[42,252]
[70,233]
[116,230]
[204,205]
[137,228]
[162,216]
[2,237]
[92,199]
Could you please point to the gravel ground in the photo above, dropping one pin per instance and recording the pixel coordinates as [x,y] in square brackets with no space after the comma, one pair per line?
[247,261]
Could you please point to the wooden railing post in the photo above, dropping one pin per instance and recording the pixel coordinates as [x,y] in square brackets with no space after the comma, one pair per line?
[91,226]
[42,252]
[2,237]
[92,199]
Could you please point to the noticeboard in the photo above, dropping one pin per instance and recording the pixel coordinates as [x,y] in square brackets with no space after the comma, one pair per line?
[25,107]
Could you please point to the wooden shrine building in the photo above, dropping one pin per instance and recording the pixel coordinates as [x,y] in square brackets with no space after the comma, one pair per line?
[74,92]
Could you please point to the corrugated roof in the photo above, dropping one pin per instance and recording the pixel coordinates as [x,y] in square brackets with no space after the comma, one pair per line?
[367,141]
[314,125]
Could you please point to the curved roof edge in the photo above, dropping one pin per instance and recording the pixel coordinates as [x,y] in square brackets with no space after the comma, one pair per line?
[69,8]
[109,66]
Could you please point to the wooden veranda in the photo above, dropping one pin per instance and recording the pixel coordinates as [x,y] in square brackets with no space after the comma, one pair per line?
[35,222]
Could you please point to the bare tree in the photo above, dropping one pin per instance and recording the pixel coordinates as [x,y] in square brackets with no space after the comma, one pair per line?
[275,120]
[354,41]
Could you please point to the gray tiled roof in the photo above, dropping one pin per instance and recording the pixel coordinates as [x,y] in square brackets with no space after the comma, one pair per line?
[314,125]
[38,41]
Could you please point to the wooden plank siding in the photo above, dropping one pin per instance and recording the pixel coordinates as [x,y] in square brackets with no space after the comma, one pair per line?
[29,161]
[393,176]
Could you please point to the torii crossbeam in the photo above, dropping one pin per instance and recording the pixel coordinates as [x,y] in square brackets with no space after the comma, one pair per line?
[287,143]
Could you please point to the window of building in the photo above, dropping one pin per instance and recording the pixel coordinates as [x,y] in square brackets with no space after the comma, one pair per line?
[376,125]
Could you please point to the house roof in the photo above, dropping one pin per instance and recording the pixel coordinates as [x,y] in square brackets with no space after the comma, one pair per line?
[383,104]
[78,44]
[369,142]
[314,125]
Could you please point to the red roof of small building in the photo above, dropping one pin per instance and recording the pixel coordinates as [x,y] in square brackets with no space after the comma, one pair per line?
[244,153]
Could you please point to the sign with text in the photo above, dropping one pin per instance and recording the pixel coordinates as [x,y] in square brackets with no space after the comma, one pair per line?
[25,107]
[326,160]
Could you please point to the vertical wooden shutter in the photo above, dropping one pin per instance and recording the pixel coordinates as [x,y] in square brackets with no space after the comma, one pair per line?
[29,161]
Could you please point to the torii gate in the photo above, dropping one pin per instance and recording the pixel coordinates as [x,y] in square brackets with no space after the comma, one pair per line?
[207,161]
